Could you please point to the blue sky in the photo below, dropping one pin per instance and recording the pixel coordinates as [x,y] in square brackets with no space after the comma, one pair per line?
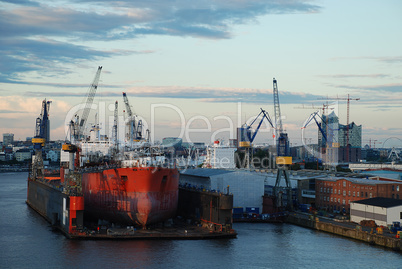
[203,58]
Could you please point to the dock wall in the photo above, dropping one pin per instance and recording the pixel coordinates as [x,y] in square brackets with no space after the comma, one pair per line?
[214,209]
[373,239]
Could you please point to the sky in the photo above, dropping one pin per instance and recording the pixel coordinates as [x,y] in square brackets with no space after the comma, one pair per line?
[199,70]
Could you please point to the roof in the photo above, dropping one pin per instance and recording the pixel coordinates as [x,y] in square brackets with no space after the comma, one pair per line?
[380,202]
[365,181]
[205,172]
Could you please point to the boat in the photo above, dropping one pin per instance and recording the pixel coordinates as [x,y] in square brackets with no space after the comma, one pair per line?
[101,181]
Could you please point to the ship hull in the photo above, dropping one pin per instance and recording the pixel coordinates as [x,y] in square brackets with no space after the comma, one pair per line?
[131,196]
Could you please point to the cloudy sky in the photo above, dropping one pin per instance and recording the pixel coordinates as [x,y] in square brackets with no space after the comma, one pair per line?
[203,65]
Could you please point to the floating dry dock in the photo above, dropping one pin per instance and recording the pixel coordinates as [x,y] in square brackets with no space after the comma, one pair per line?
[205,215]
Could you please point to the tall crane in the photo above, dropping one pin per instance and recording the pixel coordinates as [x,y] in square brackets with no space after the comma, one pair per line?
[134,128]
[91,95]
[115,127]
[283,159]
[41,133]
[348,99]
[77,127]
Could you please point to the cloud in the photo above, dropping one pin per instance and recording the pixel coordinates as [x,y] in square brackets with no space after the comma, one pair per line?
[356,76]
[384,59]
[41,36]
[393,87]
[203,94]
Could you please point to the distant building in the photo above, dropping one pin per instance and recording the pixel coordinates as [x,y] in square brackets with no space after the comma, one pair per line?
[23,155]
[336,146]
[53,155]
[8,139]
[220,157]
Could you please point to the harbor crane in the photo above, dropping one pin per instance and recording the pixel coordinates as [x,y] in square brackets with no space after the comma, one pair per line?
[134,133]
[41,134]
[77,126]
[115,128]
[248,135]
[283,158]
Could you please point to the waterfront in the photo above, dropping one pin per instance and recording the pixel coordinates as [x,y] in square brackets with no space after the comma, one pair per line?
[27,241]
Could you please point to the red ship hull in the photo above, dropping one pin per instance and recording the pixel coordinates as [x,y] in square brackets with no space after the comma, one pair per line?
[131,196]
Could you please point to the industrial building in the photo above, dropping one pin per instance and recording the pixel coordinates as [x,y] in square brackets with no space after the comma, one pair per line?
[384,211]
[247,187]
[337,194]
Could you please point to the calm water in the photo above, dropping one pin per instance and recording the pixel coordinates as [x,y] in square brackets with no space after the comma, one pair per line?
[27,241]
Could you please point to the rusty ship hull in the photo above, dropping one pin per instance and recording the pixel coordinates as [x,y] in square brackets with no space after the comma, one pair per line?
[133,196]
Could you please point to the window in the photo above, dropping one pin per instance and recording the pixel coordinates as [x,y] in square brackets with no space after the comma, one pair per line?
[397,188]
[325,190]
[328,190]
[358,193]
[366,194]
[321,189]
[371,195]
[393,187]
[344,193]
[331,199]
[343,201]
[339,191]
[335,191]
[332,190]
[349,193]
[344,183]
[339,200]
[354,194]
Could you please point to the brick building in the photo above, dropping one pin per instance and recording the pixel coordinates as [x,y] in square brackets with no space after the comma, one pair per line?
[336,194]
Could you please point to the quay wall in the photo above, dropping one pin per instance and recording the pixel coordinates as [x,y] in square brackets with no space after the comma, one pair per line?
[373,239]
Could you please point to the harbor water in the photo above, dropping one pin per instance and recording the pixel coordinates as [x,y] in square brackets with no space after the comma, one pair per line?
[28,241]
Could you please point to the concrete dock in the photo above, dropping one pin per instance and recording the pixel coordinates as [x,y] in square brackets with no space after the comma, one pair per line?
[345,229]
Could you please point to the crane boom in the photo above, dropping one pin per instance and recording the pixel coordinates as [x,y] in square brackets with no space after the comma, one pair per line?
[265,115]
[277,111]
[128,108]
[91,94]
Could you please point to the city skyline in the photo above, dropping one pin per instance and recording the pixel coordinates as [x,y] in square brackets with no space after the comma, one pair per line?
[204,59]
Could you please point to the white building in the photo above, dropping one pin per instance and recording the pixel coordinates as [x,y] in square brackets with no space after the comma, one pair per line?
[221,157]
[383,211]
[23,155]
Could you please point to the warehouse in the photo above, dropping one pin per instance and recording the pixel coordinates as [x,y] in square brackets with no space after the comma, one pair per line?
[383,211]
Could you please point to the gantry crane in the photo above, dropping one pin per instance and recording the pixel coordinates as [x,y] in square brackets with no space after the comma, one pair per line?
[41,134]
[348,99]
[134,128]
[283,158]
